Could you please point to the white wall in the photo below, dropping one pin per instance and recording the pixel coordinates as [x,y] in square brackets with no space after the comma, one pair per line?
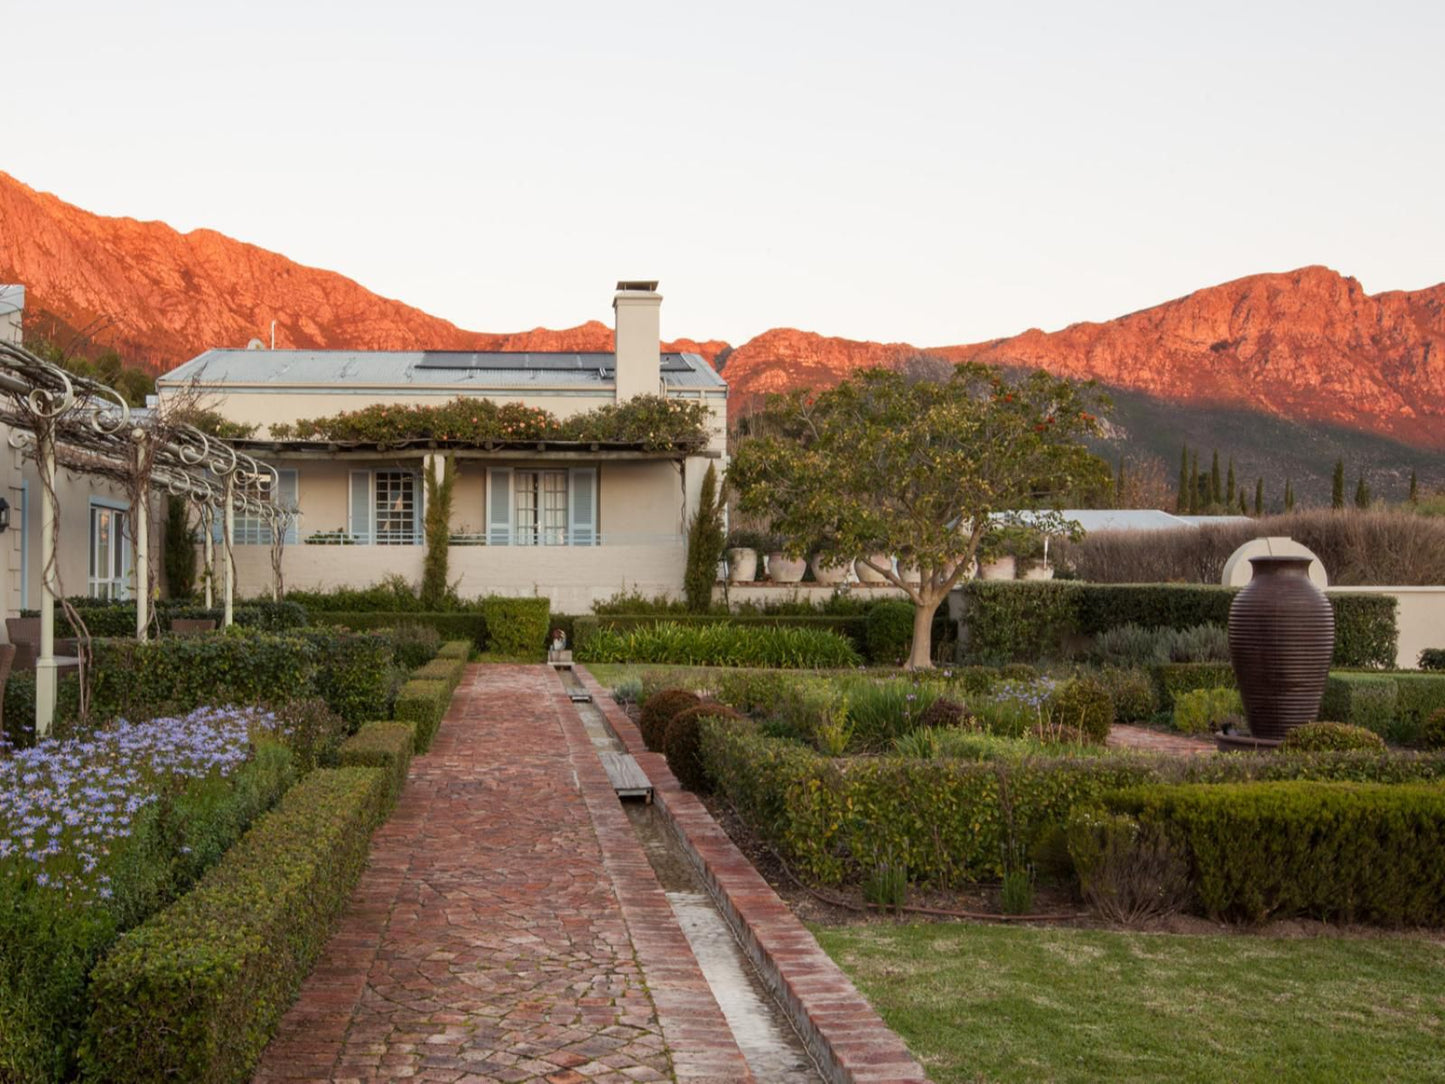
[1420,618]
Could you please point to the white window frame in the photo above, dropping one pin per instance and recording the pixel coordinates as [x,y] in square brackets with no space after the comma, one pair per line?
[365,532]
[111,586]
[522,494]
[255,531]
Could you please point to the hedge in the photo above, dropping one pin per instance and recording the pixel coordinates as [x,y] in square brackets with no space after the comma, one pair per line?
[118,618]
[384,745]
[516,626]
[439,669]
[1365,700]
[1342,851]
[468,627]
[945,818]
[423,703]
[1418,696]
[196,991]
[720,644]
[353,674]
[1432,658]
[1023,620]
[455,649]
[1173,678]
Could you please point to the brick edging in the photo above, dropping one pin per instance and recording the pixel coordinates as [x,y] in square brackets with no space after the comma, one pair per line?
[846,1037]
[698,1037]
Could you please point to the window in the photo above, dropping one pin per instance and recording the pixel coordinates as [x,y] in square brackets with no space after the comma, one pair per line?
[109,552]
[542,507]
[255,531]
[385,507]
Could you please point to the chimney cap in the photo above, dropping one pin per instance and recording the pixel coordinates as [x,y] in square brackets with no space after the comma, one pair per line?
[637,286]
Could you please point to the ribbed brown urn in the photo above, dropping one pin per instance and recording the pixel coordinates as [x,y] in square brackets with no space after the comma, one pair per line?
[1281,639]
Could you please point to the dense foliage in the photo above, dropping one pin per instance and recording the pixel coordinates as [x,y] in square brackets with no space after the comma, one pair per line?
[434,584]
[651,421]
[719,645]
[516,626]
[705,539]
[926,470]
[383,745]
[179,549]
[1315,737]
[195,992]
[658,710]
[423,703]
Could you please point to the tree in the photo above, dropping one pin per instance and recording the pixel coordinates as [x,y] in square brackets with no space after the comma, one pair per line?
[1288,495]
[705,541]
[1194,493]
[1414,497]
[1216,488]
[437,525]
[1183,503]
[1259,496]
[1337,488]
[1229,486]
[1119,485]
[180,549]
[1362,493]
[1243,503]
[928,472]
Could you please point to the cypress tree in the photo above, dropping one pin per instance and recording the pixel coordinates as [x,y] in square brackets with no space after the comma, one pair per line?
[1414,488]
[1288,495]
[1216,488]
[705,542]
[1362,493]
[1259,496]
[1119,485]
[1243,504]
[1194,493]
[1229,485]
[179,549]
[1182,505]
[1337,489]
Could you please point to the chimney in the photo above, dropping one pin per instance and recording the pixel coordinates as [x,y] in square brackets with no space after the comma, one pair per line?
[638,340]
[12,308]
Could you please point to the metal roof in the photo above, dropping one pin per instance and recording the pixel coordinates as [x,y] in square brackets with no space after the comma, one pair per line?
[1132,519]
[498,370]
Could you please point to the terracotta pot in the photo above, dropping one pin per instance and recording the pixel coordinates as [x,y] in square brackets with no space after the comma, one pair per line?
[866,574]
[783,569]
[1002,568]
[829,575]
[742,565]
[1281,639]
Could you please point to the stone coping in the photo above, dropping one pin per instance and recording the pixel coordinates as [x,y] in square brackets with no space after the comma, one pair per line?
[846,1037]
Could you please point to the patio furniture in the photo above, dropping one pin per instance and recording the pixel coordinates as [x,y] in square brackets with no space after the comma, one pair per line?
[192,626]
[24,635]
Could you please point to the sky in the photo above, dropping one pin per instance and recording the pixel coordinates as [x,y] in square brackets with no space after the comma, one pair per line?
[934,173]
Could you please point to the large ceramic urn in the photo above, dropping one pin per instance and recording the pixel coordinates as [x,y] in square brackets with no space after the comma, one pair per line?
[1281,639]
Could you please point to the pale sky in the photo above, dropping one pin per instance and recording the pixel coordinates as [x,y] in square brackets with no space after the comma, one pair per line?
[931,172]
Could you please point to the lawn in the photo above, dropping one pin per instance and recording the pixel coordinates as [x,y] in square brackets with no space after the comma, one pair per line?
[1031,1004]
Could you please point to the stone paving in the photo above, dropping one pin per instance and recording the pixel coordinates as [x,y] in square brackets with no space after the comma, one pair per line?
[509,927]
[1123,736]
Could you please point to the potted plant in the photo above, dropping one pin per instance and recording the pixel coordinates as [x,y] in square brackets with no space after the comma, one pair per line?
[781,567]
[867,573]
[743,548]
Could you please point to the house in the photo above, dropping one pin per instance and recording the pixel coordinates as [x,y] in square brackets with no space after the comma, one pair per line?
[573,520]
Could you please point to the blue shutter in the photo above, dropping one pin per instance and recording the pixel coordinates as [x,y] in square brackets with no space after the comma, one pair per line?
[582,515]
[359,514]
[418,513]
[499,506]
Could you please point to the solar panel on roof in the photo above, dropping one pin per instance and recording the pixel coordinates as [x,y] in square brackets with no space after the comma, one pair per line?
[536,362]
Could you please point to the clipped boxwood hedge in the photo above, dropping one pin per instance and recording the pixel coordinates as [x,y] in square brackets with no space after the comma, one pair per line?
[1342,851]
[720,644]
[1024,619]
[1365,700]
[439,669]
[195,992]
[384,745]
[1172,679]
[423,703]
[466,626]
[354,672]
[455,649]
[118,618]
[516,626]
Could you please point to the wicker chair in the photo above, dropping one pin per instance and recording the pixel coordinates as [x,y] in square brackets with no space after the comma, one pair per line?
[24,634]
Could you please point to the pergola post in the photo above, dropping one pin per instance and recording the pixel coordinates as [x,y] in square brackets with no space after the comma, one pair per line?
[228,588]
[141,514]
[49,515]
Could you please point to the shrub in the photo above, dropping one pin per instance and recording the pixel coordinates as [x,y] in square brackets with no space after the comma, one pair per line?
[1199,643]
[1432,658]
[1083,704]
[470,627]
[673,643]
[1432,734]
[658,710]
[383,745]
[449,671]
[1023,619]
[1417,697]
[890,631]
[881,711]
[1345,851]
[1127,873]
[1366,635]
[1314,737]
[944,712]
[1364,700]
[972,679]
[455,649]
[354,675]
[1018,671]
[393,595]
[423,703]
[1127,645]
[751,691]
[705,540]
[312,731]
[195,992]
[1132,691]
[682,743]
[1171,679]
[516,626]
[415,644]
[1202,711]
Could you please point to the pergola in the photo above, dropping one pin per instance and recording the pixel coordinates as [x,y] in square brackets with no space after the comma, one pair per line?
[64,420]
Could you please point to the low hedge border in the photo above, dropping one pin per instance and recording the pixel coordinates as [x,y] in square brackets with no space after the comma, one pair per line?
[384,745]
[1395,706]
[439,669]
[1344,851]
[196,992]
[468,627]
[455,649]
[423,703]
[516,626]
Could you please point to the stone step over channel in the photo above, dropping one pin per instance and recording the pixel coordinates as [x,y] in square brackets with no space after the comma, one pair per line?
[846,1037]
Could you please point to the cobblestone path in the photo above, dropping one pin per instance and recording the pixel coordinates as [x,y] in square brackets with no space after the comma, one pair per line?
[509,927]
[1145,740]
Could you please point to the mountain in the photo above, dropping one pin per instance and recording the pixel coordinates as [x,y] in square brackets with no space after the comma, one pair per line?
[1306,346]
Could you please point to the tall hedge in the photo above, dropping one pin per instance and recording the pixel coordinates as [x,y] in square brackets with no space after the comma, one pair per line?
[516,626]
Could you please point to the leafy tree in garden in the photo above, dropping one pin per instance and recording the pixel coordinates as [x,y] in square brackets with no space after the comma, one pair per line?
[180,549]
[928,471]
[1362,493]
[438,534]
[705,541]
[1259,496]
[1337,489]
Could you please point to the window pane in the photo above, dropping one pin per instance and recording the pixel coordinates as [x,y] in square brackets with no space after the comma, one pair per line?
[395,507]
[524,485]
[554,507]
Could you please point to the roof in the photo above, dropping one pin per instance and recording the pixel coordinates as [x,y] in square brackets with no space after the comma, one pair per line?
[1136,519]
[12,299]
[495,370]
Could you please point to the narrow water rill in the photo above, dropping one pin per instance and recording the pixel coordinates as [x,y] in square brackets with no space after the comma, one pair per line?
[763,1033]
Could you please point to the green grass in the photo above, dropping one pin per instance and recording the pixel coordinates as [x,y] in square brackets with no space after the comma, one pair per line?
[1031,1004]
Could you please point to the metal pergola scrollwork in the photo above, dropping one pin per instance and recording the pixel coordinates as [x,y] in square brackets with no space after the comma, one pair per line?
[66,421]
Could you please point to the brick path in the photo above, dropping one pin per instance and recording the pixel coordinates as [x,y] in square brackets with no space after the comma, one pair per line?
[1145,740]
[509,927]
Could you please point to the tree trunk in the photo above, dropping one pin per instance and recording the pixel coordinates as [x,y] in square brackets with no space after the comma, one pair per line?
[921,656]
